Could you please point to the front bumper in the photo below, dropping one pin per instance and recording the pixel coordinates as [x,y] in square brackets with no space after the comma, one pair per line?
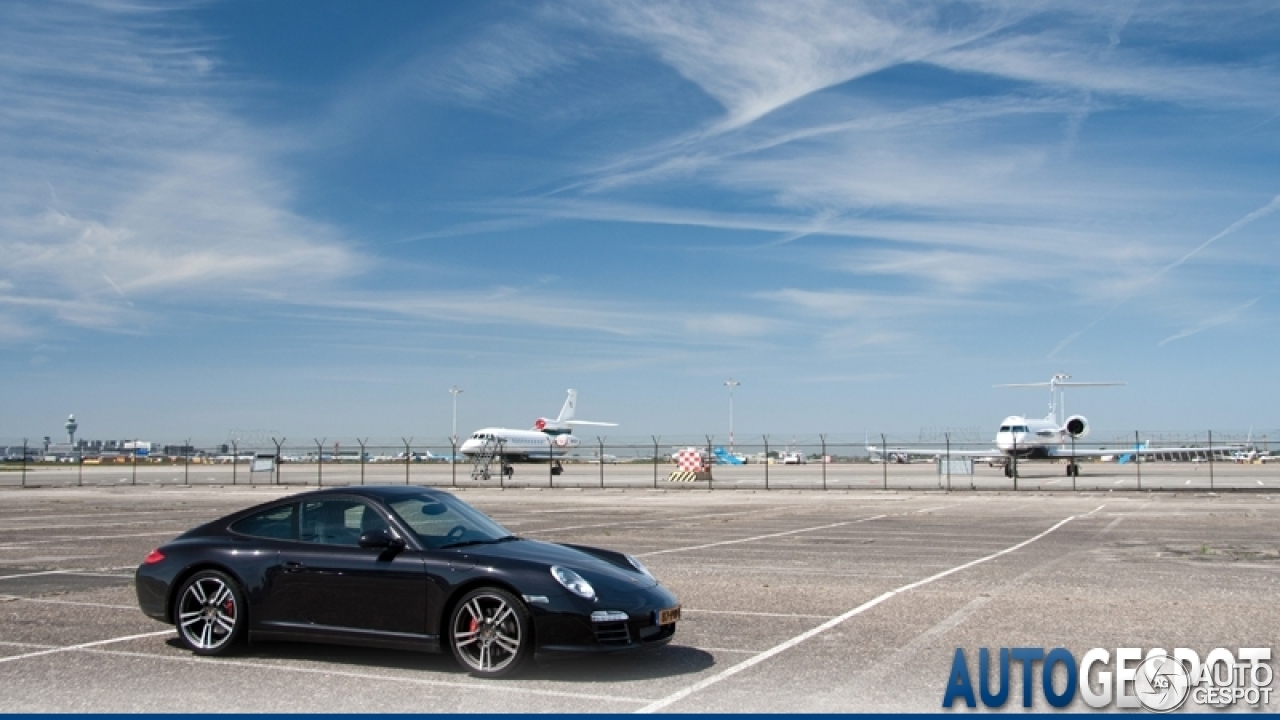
[564,625]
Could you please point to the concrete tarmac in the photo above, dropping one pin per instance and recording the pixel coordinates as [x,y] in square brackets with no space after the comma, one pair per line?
[850,600]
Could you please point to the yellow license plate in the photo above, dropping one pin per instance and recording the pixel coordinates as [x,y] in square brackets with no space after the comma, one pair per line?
[668,616]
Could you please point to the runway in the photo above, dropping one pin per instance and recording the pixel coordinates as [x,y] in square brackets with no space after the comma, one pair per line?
[796,600]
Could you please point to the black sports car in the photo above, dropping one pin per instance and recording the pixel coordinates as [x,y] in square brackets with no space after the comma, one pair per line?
[401,567]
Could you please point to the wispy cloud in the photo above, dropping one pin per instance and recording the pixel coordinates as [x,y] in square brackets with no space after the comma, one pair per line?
[1228,317]
[131,188]
[1149,279]
[755,58]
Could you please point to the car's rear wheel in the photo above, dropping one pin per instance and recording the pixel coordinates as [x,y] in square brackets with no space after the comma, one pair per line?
[490,632]
[211,614]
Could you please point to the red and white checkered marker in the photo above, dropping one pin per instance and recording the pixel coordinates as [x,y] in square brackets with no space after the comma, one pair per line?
[690,460]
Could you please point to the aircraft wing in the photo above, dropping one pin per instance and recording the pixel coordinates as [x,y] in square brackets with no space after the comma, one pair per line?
[1054,451]
[1064,451]
[938,452]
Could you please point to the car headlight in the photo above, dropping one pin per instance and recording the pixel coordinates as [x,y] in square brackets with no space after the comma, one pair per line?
[640,566]
[573,582]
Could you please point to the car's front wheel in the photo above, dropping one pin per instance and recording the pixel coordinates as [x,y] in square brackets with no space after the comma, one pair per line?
[211,614]
[490,632]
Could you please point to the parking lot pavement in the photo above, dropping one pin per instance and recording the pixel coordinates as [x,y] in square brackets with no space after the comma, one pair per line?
[793,601]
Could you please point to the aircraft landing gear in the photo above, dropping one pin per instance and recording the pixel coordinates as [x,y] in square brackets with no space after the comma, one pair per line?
[1010,470]
[1073,470]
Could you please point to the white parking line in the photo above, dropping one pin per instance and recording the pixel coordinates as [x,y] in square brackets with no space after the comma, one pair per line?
[34,574]
[759,537]
[328,672]
[626,522]
[81,573]
[81,538]
[46,601]
[695,611]
[756,660]
[85,646]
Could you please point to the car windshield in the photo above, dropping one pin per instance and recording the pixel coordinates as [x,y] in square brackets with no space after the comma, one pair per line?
[443,521]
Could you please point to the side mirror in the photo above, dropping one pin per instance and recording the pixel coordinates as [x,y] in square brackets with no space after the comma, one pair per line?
[382,539]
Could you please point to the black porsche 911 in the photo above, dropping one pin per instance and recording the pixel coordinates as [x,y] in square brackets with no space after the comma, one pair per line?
[399,567]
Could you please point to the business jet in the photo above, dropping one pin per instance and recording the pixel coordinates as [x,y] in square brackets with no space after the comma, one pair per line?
[1051,438]
[548,440]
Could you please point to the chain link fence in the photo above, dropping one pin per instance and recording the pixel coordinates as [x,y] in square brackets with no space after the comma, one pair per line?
[948,459]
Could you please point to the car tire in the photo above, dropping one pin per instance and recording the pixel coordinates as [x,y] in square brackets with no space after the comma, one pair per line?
[211,615]
[490,633]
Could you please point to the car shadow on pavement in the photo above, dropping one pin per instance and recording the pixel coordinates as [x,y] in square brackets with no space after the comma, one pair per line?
[645,664]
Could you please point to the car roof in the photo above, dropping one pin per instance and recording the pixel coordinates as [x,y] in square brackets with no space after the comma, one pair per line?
[381,492]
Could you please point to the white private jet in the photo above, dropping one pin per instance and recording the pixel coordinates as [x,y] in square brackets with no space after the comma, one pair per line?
[1050,438]
[548,440]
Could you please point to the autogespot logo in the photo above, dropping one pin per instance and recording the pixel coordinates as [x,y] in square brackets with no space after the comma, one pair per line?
[1162,683]
[1158,681]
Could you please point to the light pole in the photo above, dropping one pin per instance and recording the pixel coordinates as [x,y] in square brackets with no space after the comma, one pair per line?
[731,384]
[455,391]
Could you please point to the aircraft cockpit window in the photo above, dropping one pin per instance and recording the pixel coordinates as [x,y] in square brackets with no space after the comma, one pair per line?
[1004,428]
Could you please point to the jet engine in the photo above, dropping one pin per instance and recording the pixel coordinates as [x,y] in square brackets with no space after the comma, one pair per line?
[1077,426]
[565,441]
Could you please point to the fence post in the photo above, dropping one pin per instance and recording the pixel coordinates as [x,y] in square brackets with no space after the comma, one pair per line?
[408,457]
[1211,460]
[502,464]
[278,455]
[601,441]
[453,460]
[278,443]
[1013,461]
[134,477]
[235,458]
[80,468]
[362,454]
[24,462]
[1075,469]
[1137,457]
[320,462]
[655,461]
[766,461]
[884,460]
[948,436]
[186,463]
[710,459]
[823,439]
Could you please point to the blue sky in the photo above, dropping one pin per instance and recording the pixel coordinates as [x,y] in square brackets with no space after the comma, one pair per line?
[313,218]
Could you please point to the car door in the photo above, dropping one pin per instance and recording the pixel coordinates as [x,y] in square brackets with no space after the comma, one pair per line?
[327,584]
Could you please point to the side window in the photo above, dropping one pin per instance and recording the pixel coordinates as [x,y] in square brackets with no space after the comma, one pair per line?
[276,523]
[338,522]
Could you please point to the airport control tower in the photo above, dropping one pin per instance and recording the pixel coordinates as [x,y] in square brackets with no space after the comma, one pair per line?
[71,427]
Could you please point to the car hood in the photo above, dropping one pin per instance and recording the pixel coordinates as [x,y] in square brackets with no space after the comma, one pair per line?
[600,567]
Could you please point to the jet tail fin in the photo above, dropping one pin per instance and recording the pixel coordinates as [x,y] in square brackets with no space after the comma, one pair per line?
[570,405]
[725,458]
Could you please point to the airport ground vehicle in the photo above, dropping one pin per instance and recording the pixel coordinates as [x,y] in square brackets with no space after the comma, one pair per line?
[399,567]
